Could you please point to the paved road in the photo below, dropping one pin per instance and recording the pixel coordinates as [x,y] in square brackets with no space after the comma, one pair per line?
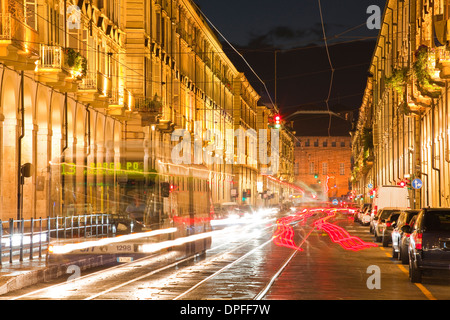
[303,256]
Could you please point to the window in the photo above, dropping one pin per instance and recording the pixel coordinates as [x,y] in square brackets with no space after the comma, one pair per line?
[342,169]
[307,143]
[316,143]
[30,13]
[311,168]
[296,172]
[333,144]
[342,144]
[324,168]
[325,143]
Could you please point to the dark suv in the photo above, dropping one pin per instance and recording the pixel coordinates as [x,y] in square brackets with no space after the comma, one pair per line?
[429,246]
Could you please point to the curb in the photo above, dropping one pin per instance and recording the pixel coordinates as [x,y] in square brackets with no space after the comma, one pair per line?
[22,279]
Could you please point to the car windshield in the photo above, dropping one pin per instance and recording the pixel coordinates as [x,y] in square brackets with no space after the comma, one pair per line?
[437,221]
[410,215]
[385,214]
[394,216]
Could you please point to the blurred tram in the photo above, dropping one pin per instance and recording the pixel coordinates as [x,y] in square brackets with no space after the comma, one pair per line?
[137,198]
[176,196]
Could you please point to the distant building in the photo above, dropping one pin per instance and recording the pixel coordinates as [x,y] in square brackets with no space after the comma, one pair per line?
[323,154]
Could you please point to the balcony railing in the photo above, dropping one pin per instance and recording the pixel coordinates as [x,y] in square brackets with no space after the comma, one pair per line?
[50,57]
[148,105]
[18,33]
[89,82]
[5,26]
[56,58]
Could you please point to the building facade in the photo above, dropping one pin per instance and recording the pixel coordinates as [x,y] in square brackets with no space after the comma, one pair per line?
[323,166]
[92,92]
[405,108]
[275,183]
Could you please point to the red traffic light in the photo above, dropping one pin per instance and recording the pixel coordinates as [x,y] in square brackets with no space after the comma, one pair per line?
[277,118]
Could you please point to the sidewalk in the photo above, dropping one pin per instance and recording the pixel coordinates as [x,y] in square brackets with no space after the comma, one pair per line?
[17,275]
[94,253]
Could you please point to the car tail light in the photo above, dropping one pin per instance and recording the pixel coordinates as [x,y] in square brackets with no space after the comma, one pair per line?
[388,224]
[418,241]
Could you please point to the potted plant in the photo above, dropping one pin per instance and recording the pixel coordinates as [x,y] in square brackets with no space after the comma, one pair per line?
[426,85]
[76,63]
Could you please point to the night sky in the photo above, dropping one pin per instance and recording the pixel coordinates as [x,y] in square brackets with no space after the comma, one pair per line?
[291,22]
[293,28]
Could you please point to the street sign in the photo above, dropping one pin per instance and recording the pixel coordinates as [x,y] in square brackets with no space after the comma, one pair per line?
[370,186]
[417,183]
[335,202]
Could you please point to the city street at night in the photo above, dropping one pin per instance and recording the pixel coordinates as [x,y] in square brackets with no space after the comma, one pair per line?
[225,158]
[311,255]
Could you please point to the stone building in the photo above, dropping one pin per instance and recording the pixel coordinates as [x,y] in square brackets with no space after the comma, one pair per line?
[91,92]
[323,157]
[405,107]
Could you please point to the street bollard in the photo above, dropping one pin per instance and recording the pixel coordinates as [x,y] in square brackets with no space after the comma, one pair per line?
[40,237]
[31,239]
[11,234]
[21,240]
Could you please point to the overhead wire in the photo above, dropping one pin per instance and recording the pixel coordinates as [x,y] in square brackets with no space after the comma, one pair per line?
[137,75]
[331,66]
[246,62]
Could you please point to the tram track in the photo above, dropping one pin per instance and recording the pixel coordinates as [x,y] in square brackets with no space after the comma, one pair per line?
[207,269]
[276,274]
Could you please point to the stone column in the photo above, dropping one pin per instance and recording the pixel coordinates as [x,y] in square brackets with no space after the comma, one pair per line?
[9,169]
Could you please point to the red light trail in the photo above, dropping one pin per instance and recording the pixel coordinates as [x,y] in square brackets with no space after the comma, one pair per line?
[284,234]
[340,236]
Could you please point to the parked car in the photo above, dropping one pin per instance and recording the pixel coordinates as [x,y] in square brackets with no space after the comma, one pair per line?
[360,212]
[379,220]
[387,226]
[429,246]
[364,218]
[400,235]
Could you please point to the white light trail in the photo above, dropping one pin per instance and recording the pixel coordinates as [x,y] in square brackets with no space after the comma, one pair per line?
[66,248]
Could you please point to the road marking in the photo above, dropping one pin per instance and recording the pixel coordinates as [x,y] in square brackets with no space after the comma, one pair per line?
[403,269]
[424,290]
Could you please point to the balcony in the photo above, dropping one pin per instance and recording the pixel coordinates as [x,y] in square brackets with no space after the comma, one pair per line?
[180,121]
[18,43]
[87,88]
[150,110]
[96,89]
[165,126]
[61,68]
[121,104]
